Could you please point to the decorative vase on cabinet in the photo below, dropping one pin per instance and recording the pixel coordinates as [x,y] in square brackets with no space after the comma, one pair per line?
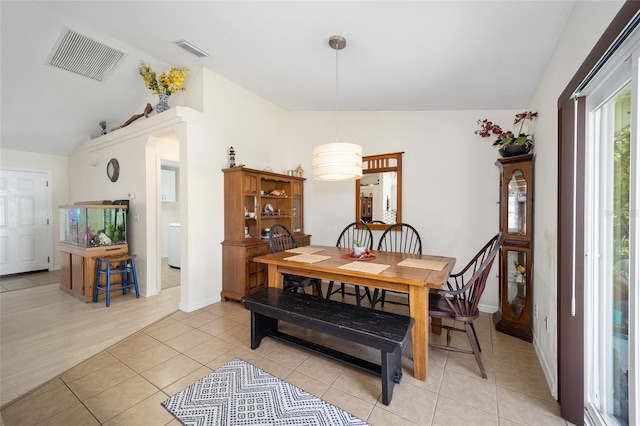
[255,200]
[516,260]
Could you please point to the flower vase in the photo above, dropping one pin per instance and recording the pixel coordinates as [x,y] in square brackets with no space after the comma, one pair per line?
[163,103]
[513,150]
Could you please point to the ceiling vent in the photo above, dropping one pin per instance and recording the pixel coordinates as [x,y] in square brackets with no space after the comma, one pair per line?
[192,48]
[84,56]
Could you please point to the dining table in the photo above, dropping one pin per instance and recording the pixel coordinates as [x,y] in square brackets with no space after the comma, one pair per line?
[413,274]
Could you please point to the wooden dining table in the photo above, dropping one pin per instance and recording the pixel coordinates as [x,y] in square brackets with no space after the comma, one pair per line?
[328,263]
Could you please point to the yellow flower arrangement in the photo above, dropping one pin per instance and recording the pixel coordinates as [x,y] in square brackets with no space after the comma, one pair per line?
[166,83]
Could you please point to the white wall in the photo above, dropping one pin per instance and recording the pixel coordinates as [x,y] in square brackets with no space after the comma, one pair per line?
[233,116]
[58,166]
[254,127]
[586,25]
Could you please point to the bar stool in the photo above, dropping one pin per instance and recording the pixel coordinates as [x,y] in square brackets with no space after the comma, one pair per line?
[108,266]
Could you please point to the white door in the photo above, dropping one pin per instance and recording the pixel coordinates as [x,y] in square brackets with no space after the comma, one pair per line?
[23,222]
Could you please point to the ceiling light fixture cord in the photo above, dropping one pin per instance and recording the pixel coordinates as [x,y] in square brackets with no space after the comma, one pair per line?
[337,94]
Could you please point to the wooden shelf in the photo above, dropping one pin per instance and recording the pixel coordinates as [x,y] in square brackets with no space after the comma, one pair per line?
[243,192]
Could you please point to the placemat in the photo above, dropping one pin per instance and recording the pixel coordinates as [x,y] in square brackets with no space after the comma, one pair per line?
[434,265]
[304,250]
[368,267]
[307,258]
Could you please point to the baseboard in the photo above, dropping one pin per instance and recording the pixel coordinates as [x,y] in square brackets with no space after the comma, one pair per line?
[548,374]
[487,308]
[201,304]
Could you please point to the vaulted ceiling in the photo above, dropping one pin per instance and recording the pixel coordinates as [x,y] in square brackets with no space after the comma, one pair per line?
[414,55]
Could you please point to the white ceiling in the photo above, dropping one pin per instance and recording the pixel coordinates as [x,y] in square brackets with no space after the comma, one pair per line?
[417,55]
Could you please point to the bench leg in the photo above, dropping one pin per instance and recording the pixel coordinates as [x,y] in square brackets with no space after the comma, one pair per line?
[260,327]
[391,364]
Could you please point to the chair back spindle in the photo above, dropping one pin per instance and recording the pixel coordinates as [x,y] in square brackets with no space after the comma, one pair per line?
[356,231]
[401,238]
[281,239]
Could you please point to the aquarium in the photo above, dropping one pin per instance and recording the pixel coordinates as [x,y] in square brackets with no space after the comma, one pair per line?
[93,224]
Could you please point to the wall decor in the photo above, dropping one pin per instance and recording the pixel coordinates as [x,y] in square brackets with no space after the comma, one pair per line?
[113,170]
[147,110]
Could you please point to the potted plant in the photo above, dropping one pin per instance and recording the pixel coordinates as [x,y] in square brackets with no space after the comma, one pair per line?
[509,143]
[358,248]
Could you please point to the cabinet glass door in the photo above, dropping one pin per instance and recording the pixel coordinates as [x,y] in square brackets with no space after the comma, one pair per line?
[517,276]
[517,204]
[297,215]
[251,214]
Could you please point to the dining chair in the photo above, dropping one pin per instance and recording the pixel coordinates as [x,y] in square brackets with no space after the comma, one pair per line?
[356,231]
[460,301]
[281,239]
[398,238]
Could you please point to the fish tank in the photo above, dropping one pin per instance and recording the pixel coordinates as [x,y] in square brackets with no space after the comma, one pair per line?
[93,224]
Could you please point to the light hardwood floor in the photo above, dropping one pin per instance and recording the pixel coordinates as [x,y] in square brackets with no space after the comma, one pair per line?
[124,384]
[44,331]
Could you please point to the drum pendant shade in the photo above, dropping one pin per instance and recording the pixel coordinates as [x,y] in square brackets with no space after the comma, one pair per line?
[337,161]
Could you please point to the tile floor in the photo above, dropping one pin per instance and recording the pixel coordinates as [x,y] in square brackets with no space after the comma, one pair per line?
[30,280]
[125,384]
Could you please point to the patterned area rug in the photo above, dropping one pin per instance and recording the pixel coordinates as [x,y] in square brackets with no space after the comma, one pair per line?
[239,393]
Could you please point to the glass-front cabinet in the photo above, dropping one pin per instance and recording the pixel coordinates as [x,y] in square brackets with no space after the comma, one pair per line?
[515,270]
[254,201]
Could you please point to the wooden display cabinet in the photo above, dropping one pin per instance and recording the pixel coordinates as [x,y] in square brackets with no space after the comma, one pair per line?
[254,201]
[516,255]
[78,269]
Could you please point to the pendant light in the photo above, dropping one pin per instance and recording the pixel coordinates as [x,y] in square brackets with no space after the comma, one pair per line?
[337,161]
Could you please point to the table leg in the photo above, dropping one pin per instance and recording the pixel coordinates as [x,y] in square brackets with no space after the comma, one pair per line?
[275,278]
[419,310]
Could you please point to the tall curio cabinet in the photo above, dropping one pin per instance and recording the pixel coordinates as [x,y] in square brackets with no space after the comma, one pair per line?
[516,256]
[254,201]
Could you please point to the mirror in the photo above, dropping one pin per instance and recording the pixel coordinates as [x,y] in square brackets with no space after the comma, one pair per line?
[517,209]
[379,191]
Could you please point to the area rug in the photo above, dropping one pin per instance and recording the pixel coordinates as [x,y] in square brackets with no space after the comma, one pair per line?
[239,393]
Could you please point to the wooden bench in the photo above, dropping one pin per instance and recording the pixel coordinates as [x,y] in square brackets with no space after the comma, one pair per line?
[385,331]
